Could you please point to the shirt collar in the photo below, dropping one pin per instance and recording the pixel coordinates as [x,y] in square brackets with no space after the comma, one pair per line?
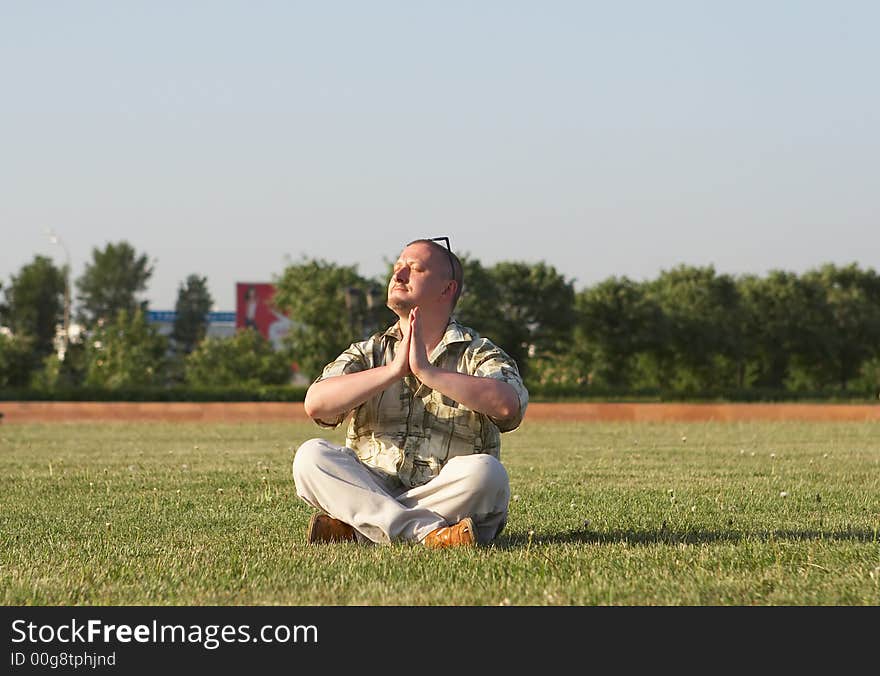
[455,333]
[394,331]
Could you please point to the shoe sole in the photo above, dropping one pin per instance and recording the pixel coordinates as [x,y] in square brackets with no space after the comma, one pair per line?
[469,528]
[310,533]
[313,539]
[473,531]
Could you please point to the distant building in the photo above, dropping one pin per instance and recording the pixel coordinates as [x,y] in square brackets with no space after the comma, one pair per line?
[254,309]
[220,324]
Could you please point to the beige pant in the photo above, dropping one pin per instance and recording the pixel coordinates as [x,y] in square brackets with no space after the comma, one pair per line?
[381,509]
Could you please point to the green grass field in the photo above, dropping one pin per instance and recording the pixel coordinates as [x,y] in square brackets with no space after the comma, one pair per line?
[191,514]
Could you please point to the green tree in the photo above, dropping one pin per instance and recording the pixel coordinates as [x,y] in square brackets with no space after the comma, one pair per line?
[56,373]
[703,345]
[869,376]
[245,360]
[35,303]
[323,301]
[850,312]
[617,320]
[111,282]
[194,302]
[479,305]
[125,352]
[537,309]
[18,359]
[785,324]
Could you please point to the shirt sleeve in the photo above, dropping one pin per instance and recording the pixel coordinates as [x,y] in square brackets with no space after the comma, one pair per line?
[353,360]
[490,361]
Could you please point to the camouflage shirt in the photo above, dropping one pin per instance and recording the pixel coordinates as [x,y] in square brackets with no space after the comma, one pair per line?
[410,430]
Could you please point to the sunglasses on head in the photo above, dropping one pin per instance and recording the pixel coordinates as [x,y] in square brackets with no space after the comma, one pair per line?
[445,240]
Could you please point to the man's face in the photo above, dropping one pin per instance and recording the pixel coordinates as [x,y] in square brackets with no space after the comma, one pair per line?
[419,279]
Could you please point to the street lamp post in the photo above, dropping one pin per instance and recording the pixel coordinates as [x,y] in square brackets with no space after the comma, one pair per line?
[65,338]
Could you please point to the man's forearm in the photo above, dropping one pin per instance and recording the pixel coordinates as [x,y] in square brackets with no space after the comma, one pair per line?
[331,397]
[490,396]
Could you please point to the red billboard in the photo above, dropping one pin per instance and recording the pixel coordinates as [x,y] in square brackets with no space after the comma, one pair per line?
[253,308]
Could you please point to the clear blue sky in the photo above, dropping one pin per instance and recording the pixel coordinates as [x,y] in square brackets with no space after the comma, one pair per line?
[620,138]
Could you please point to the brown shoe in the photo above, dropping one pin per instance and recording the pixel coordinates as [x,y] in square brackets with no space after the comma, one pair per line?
[462,534]
[324,528]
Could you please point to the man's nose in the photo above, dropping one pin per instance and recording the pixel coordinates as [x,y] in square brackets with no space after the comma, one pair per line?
[401,275]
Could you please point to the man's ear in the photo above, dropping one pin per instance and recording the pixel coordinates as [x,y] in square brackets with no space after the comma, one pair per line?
[450,289]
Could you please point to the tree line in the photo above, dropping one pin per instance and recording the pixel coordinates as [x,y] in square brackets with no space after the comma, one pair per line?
[119,348]
[690,330]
